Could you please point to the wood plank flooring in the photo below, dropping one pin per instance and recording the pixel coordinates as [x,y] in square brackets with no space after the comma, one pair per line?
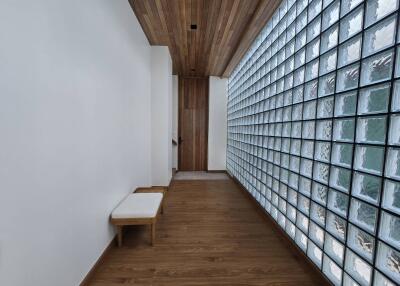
[209,234]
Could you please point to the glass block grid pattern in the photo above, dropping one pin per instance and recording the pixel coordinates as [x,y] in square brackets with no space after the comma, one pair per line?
[314,133]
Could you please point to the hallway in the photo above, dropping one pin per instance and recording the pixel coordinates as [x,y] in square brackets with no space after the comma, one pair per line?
[210,234]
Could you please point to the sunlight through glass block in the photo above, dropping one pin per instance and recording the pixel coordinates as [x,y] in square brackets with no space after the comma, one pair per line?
[388,261]
[361,242]
[360,270]
[363,215]
[391,196]
[332,271]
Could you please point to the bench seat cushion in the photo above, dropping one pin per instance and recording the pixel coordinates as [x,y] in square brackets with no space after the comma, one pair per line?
[141,205]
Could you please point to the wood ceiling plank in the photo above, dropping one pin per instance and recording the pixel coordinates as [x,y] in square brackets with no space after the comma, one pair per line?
[225,30]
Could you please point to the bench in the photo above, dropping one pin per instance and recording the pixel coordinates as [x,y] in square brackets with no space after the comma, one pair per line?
[137,209]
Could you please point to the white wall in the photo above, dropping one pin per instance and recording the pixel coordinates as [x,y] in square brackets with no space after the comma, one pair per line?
[161,115]
[175,102]
[75,132]
[217,123]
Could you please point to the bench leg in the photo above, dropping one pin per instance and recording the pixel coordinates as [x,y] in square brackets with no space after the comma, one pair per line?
[153,233]
[119,235]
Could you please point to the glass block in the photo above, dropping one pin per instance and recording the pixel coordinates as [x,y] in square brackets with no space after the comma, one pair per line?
[305,186]
[342,154]
[307,149]
[336,226]
[314,8]
[343,130]
[290,229]
[332,271]
[326,3]
[300,58]
[308,130]
[345,104]
[389,229]
[314,253]
[309,109]
[361,242]
[351,24]
[377,68]
[296,129]
[291,213]
[301,5]
[312,70]
[371,130]
[348,281]
[347,78]
[349,52]
[312,50]
[317,214]
[337,202]
[329,39]
[369,159]
[366,187]
[294,163]
[298,77]
[391,196]
[379,37]
[301,40]
[321,172]
[325,107]
[295,147]
[319,193]
[306,167]
[363,215]
[303,204]
[330,15]
[382,280]
[326,85]
[377,9]
[394,130]
[297,112]
[374,99]
[311,90]
[388,261]
[316,234]
[324,130]
[301,240]
[348,5]
[392,169]
[396,96]
[340,179]
[360,270]
[334,249]
[328,62]
[313,29]
[322,151]
[292,197]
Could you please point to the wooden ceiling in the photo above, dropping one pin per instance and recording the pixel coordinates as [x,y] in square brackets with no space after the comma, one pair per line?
[225,30]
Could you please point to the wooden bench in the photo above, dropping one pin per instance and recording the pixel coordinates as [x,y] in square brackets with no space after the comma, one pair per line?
[137,209]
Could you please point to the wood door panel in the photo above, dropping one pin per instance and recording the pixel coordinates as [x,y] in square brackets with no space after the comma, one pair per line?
[193,124]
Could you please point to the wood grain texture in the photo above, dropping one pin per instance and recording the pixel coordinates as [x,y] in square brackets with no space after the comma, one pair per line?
[224,29]
[210,234]
[193,124]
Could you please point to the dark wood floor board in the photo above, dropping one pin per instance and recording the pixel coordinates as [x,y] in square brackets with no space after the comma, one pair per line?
[210,234]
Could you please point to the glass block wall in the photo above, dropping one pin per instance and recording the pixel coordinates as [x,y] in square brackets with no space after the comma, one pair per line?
[314,133]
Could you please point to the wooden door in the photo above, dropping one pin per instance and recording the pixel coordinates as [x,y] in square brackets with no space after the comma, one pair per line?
[193,124]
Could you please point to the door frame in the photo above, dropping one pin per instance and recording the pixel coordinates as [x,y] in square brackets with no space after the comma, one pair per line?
[180,101]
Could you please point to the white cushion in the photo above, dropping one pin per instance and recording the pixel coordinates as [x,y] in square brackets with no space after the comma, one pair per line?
[141,205]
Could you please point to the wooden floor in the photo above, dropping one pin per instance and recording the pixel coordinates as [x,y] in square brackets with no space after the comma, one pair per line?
[209,234]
